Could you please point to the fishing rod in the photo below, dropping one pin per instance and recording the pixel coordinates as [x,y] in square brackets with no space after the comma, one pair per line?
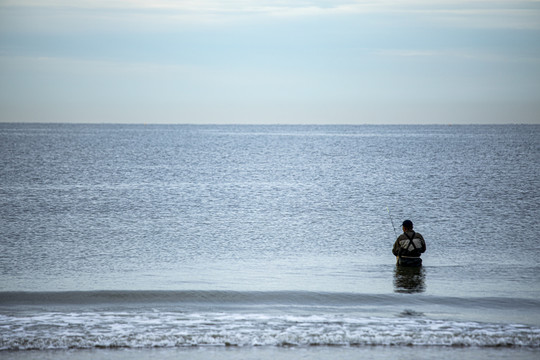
[392,221]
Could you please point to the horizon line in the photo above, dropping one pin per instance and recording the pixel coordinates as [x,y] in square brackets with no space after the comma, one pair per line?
[263,124]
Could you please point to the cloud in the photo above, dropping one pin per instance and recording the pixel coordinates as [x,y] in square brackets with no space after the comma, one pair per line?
[470,13]
[458,54]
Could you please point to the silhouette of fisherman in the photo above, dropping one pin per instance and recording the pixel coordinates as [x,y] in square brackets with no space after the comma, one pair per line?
[409,246]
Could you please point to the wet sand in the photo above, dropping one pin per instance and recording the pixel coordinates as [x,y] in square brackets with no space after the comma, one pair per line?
[292,353]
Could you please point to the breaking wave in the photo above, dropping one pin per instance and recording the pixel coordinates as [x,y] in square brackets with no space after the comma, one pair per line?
[176,329]
[171,319]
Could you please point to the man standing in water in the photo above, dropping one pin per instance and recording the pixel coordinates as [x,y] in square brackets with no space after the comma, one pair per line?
[409,246]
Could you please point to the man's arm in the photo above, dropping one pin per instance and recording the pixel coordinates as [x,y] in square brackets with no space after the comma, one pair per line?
[395,249]
[423,249]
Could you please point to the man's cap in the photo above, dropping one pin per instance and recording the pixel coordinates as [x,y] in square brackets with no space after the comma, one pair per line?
[407,224]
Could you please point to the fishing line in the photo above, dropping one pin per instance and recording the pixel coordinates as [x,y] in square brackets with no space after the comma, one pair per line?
[392,221]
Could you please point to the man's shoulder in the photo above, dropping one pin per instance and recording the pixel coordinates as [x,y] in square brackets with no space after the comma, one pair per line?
[401,237]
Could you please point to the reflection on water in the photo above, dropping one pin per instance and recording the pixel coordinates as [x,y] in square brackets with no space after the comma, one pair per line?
[409,280]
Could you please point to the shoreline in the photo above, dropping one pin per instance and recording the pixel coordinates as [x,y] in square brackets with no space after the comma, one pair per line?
[283,353]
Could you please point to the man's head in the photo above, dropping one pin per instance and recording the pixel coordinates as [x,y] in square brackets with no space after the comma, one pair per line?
[407,225]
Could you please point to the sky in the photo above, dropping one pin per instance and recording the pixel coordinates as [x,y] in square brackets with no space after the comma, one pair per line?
[270,62]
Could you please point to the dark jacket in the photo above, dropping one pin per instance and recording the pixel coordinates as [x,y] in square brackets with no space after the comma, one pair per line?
[404,247]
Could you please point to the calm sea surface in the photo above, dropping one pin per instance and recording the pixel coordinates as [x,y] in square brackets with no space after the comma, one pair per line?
[126,236]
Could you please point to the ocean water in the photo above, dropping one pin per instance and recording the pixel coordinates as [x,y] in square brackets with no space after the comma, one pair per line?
[274,241]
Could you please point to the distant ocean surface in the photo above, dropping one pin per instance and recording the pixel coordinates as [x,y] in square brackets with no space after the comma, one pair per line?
[137,241]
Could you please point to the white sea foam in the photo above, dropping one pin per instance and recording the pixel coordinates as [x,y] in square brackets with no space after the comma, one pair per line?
[168,329]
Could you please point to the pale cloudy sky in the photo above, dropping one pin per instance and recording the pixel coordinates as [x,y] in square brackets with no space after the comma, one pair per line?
[257,61]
